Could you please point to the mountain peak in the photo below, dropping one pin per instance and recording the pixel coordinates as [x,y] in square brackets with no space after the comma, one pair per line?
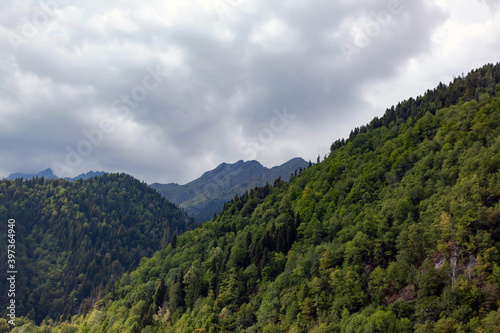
[46,172]
[206,195]
[49,174]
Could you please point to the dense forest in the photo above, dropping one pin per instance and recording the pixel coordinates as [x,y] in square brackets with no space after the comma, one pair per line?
[75,239]
[397,230]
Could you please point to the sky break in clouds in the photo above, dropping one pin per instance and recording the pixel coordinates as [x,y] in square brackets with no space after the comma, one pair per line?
[165,90]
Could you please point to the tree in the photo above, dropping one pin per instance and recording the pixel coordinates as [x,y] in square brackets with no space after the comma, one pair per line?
[173,243]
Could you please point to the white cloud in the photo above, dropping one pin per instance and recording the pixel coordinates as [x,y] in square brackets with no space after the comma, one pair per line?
[270,31]
[462,43]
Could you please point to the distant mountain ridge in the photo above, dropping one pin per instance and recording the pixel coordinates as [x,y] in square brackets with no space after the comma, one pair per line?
[49,174]
[203,197]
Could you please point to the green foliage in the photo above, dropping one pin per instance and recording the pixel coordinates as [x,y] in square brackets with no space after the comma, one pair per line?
[396,231]
[76,239]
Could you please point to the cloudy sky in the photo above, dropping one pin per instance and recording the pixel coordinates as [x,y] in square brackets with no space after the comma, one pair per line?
[167,89]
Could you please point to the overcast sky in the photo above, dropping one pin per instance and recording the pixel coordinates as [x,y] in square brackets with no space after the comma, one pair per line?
[167,89]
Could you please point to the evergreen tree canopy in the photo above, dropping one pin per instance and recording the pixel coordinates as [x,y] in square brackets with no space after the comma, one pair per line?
[76,239]
[396,231]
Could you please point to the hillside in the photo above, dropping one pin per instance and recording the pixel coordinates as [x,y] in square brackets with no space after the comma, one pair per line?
[396,231]
[205,196]
[75,239]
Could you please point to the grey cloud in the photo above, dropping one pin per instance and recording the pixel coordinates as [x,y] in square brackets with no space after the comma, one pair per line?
[220,87]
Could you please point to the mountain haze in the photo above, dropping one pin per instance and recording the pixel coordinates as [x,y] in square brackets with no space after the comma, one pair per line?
[205,196]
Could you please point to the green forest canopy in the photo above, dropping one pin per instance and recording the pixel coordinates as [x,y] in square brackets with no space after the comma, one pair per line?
[76,239]
[396,231]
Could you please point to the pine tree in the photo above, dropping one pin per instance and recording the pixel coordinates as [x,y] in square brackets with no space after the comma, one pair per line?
[174,241]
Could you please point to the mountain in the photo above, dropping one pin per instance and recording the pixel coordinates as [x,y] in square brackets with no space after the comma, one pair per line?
[85,176]
[48,174]
[75,239]
[205,196]
[396,231]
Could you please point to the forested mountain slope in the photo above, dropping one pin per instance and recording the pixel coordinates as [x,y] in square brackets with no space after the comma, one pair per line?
[396,231]
[205,196]
[75,239]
